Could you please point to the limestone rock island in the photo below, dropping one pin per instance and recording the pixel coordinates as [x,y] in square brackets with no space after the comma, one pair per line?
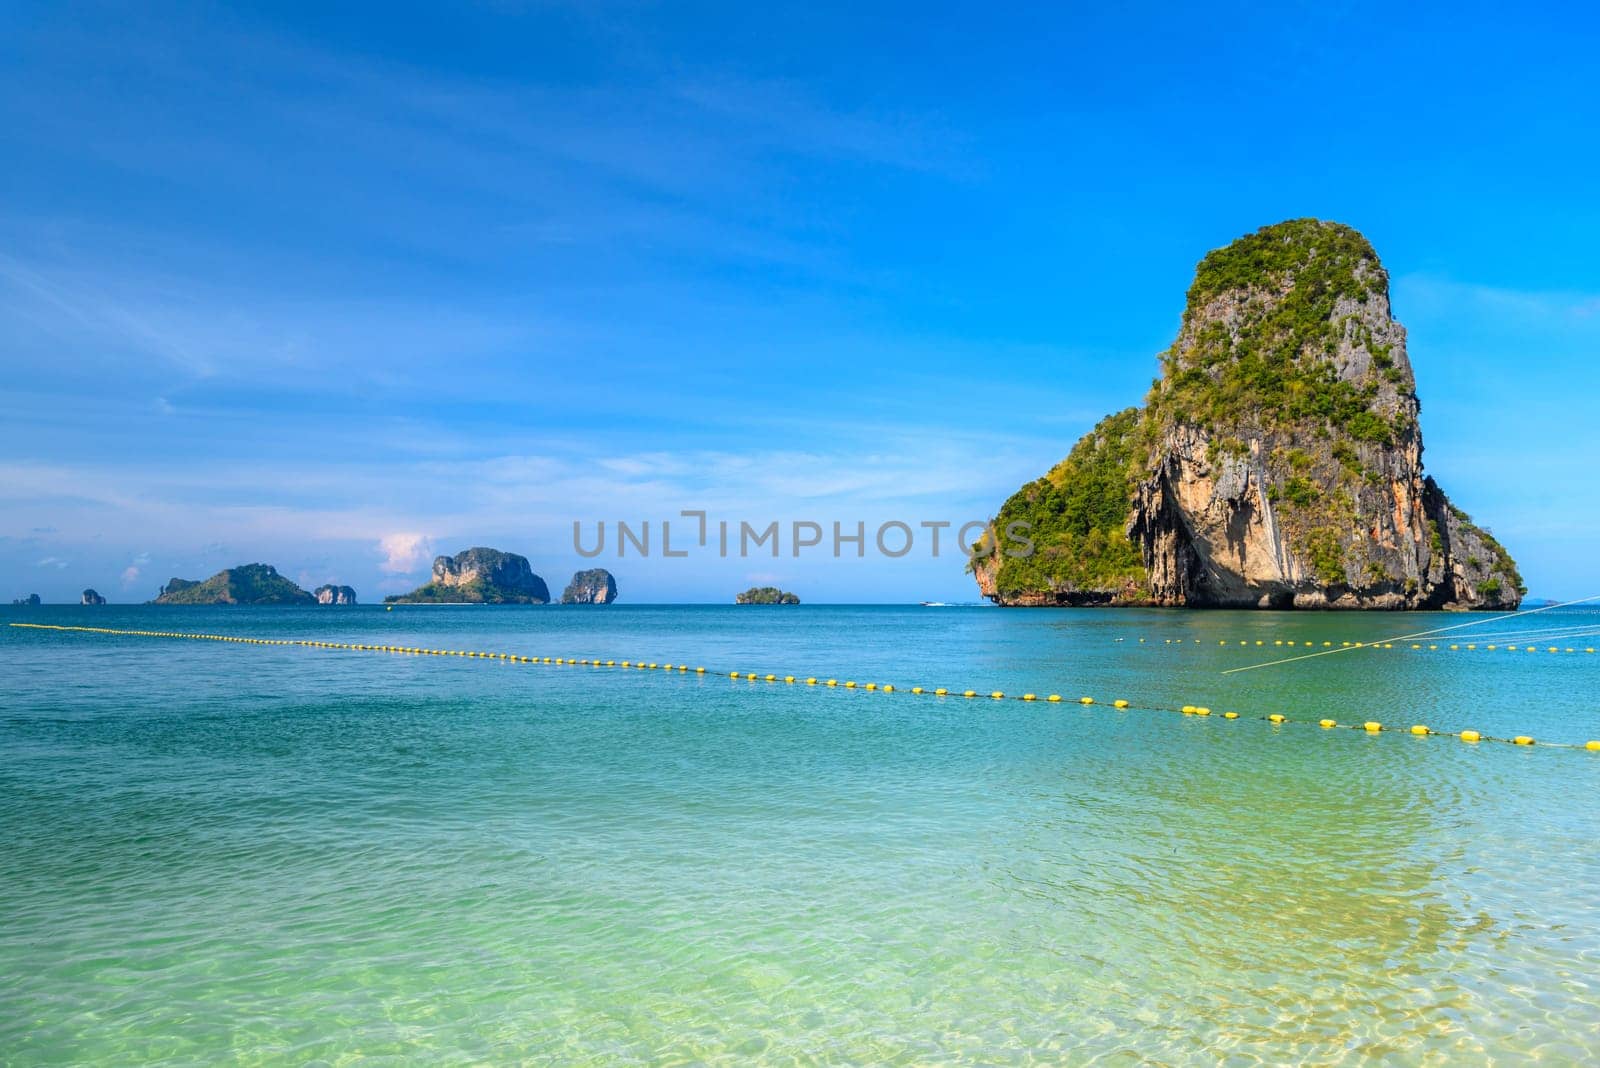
[479,576]
[1277,461]
[765,595]
[245,584]
[334,594]
[594,586]
[91,597]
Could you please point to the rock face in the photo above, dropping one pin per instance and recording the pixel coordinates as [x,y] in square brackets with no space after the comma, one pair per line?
[1277,462]
[334,595]
[91,597]
[480,576]
[31,601]
[245,584]
[765,595]
[594,586]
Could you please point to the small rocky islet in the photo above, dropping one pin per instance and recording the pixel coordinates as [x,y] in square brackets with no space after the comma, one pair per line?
[245,584]
[1276,463]
[479,576]
[594,585]
[765,595]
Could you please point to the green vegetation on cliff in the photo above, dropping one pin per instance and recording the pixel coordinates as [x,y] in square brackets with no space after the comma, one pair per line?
[246,584]
[477,591]
[1077,515]
[1266,362]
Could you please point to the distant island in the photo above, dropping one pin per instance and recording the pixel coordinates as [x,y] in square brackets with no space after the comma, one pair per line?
[245,584]
[91,597]
[479,576]
[1277,462]
[594,586]
[766,595]
[334,595]
[31,601]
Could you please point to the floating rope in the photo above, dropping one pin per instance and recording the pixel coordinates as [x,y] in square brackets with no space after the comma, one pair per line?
[1417,634]
[1274,718]
[1494,642]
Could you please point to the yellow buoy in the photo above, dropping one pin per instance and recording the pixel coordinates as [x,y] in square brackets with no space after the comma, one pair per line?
[811,682]
[1202,711]
[1277,717]
[1372,726]
[940,692]
[1592,746]
[849,685]
[1328,723]
[969,693]
[788,678]
[1119,703]
[997,695]
[1470,736]
[1419,729]
[1086,700]
[1522,739]
[1054,698]
[833,682]
[916,689]
[887,688]
[1029,697]
[1187,710]
[872,686]
[772,678]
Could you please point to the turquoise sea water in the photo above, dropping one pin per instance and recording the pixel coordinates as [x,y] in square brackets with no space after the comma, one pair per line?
[267,855]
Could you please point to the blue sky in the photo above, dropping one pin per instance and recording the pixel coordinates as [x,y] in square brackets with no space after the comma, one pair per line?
[337,290]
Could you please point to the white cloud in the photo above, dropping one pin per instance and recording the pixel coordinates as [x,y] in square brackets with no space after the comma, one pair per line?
[52,561]
[130,575]
[404,553]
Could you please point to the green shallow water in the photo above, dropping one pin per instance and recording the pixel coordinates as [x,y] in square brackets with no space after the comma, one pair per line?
[261,855]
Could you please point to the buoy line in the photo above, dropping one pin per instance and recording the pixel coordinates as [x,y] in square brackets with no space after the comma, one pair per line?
[1489,643]
[1276,719]
[1415,635]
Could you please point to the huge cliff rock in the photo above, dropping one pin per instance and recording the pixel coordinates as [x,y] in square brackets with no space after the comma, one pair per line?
[1277,461]
[480,576]
[91,597]
[593,586]
[331,594]
[245,584]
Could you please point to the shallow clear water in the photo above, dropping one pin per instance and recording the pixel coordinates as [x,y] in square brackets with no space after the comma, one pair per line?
[287,855]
